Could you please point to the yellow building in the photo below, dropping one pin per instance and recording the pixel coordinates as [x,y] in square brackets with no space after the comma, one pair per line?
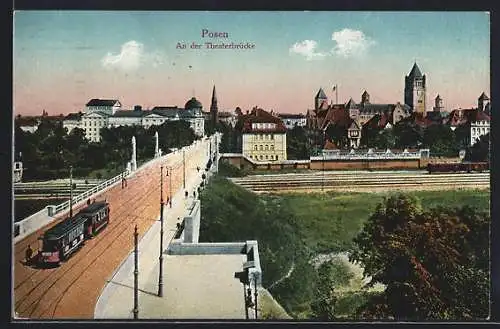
[263,136]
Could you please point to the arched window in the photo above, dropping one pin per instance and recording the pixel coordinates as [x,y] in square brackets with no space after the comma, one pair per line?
[266,157]
[272,147]
[260,147]
[255,147]
[267,148]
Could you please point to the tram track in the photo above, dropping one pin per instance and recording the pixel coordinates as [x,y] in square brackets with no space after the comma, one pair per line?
[62,271]
[71,290]
[24,243]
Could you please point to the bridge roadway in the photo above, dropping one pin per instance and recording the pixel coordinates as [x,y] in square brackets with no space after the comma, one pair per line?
[72,290]
[365,181]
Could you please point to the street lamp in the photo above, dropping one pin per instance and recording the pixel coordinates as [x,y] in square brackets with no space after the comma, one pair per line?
[183,168]
[169,174]
[160,279]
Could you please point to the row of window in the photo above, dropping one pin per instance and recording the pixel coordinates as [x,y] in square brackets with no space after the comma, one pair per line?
[480,130]
[264,157]
[263,136]
[263,147]
[263,125]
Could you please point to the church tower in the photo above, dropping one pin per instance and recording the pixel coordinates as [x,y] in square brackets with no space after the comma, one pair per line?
[438,104]
[365,98]
[483,102]
[214,111]
[320,99]
[415,89]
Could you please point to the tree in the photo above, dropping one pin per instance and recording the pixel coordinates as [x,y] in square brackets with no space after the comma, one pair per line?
[338,134]
[440,139]
[427,260]
[480,151]
[297,143]
[408,134]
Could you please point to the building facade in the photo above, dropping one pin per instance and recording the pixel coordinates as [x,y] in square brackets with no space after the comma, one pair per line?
[263,136]
[92,123]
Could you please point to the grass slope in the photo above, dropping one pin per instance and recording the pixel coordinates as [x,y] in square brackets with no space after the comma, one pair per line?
[292,228]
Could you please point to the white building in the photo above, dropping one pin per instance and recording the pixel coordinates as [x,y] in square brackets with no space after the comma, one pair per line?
[28,124]
[107,106]
[93,120]
[263,137]
[293,120]
[125,118]
[92,123]
[72,121]
[479,126]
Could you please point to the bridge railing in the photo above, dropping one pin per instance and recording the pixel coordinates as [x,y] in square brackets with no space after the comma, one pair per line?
[85,195]
[37,220]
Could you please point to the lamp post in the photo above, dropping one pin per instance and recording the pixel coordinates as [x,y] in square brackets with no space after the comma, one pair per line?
[160,279]
[183,168]
[169,174]
[136,274]
[255,292]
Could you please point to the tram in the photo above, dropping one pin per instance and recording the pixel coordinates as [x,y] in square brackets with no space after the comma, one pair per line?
[63,239]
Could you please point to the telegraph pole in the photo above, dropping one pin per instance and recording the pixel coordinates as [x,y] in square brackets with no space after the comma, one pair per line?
[160,279]
[70,192]
[136,274]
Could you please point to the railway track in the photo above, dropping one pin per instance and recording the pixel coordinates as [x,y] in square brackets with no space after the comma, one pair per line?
[363,181]
[71,290]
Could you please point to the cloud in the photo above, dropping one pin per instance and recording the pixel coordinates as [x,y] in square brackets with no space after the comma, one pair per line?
[351,43]
[131,57]
[307,48]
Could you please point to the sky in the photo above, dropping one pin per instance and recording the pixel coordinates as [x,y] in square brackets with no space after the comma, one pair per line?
[62,59]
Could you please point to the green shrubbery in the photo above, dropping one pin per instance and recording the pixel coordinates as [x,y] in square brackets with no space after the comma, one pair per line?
[293,228]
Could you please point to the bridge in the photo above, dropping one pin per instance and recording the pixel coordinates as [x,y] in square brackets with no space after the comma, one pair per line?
[96,281]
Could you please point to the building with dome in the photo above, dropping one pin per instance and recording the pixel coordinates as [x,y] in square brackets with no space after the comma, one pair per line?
[93,122]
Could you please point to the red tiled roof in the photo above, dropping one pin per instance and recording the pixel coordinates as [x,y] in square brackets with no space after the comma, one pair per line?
[260,116]
[329,145]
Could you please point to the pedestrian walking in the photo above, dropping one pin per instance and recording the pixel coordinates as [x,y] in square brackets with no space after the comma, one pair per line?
[29,254]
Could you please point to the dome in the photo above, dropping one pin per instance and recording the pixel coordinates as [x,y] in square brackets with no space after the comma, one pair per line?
[193,103]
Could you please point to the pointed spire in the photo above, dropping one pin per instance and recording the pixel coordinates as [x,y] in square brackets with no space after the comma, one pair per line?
[415,71]
[321,94]
[213,105]
[483,96]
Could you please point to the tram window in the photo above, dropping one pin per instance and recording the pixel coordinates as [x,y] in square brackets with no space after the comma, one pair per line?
[49,245]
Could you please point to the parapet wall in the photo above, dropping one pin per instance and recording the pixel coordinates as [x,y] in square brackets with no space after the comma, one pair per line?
[330,163]
[177,247]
